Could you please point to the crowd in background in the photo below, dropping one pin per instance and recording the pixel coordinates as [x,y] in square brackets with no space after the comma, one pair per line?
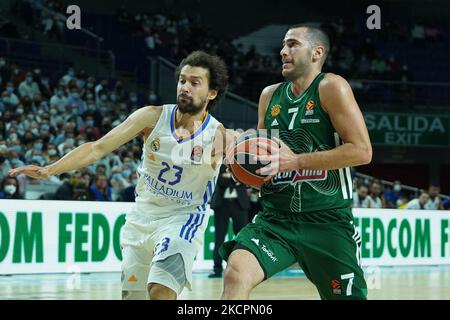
[43,118]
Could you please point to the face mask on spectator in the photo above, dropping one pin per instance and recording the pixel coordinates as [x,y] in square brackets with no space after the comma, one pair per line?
[70,141]
[152,98]
[397,188]
[71,73]
[45,82]
[38,146]
[104,109]
[52,152]
[2,62]
[104,97]
[113,97]
[60,93]
[91,107]
[134,181]
[29,80]
[19,111]
[10,89]
[90,85]
[75,95]
[13,136]
[40,112]
[90,123]
[133,99]
[53,112]
[90,96]
[10,189]
[80,142]
[35,131]
[126,173]
[30,117]
[45,127]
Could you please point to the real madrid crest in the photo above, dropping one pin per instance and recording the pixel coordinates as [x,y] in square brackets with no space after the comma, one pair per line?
[155,144]
[275,110]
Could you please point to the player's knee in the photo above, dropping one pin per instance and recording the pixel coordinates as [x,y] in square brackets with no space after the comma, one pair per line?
[232,276]
[157,291]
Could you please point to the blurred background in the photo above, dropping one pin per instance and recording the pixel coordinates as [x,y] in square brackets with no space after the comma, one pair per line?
[60,87]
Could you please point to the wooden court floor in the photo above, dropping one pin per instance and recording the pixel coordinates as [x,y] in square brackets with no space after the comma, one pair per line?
[410,283]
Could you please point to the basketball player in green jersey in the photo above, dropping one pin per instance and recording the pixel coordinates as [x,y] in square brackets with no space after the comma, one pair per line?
[306,215]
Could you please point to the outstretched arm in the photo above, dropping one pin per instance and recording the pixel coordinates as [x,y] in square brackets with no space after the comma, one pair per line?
[90,152]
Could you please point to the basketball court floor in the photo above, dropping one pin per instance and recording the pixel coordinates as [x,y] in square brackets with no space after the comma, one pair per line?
[387,283]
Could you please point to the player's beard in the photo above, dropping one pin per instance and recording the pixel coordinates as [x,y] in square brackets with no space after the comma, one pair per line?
[188,106]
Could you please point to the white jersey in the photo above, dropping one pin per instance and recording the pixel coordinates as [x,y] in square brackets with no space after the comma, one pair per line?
[175,175]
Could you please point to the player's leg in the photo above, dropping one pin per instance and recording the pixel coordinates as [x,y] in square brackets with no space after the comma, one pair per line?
[242,274]
[331,254]
[136,258]
[256,254]
[178,240]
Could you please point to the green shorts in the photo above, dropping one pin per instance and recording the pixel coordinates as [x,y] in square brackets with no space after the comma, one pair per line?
[325,244]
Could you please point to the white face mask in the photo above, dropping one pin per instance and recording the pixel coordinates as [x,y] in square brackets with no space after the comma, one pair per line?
[397,188]
[10,189]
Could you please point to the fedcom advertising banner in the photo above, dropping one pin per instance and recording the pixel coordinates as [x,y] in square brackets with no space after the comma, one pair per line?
[66,236]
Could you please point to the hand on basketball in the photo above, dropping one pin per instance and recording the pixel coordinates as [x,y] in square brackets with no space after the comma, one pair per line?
[31,171]
[280,158]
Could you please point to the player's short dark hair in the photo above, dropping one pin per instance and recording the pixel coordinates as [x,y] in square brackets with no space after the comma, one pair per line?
[317,36]
[217,69]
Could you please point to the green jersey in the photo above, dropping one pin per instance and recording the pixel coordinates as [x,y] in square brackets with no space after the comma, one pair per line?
[305,127]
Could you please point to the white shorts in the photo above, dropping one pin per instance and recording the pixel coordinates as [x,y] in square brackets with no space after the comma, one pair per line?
[147,239]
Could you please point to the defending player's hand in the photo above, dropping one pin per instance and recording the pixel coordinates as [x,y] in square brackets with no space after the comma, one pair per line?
[31,171]
[280,158]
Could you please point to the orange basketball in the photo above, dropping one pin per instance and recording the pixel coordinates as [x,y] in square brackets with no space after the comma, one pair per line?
[240,158]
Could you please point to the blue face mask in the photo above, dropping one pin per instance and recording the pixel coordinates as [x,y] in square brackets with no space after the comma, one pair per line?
[126,173]
[113,97]
[90,123]
[104,97]
[133,99]
[10,89]
[29,79]
[45,127]
[91,107]
[90,85]
[60,93]
[38,146]
[75,95]
[90,96]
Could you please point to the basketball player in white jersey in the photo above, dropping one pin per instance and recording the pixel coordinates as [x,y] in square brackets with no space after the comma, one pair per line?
[164,230]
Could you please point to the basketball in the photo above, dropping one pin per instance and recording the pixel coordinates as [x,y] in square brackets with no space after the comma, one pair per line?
[240,158]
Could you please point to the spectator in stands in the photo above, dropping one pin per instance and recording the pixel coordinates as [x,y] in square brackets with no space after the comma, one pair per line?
[10,189]
[9,98]
[376,198]
[154,99]
[435,202]
[100,189]
[419,203]
[28,88]
[392,195]
[361,198]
